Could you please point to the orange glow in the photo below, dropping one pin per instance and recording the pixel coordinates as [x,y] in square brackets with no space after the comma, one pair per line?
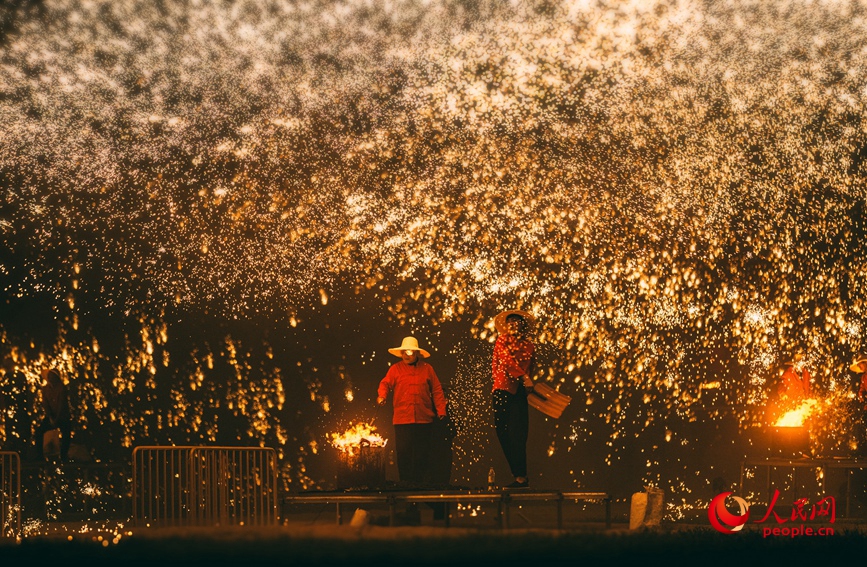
[796,417]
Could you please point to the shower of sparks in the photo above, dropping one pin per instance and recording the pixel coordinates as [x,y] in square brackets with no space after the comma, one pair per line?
[676,189]
[469,405]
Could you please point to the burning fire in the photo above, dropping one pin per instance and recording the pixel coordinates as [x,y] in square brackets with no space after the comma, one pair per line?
[360,434]
[796,417]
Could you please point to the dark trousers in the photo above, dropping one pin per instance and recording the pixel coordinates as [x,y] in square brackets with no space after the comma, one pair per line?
[65,427]
[412,445]
[512,421]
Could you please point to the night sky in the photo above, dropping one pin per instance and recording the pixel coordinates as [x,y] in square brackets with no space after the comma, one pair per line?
[216,218]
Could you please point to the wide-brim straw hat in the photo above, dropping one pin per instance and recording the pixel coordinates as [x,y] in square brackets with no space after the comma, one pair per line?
[409,343]
[857,365]
[500,320]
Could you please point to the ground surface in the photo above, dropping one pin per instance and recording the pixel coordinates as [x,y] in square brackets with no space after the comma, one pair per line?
[302,543]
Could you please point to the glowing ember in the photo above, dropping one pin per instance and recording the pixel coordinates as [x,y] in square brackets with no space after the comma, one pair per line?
[796,417]
[361,434]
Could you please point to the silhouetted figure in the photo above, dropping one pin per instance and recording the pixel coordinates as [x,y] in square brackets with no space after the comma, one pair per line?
[15,406]
[55,402]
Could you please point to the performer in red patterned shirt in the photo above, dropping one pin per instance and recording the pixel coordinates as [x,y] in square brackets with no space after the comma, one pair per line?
[514,357]
[418,399]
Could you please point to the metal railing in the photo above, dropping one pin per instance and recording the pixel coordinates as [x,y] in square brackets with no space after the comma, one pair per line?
[10,494]
[204,486]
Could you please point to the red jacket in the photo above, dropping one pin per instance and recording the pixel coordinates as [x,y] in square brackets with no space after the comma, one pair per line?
[418,394]
[512,359]
[795,386]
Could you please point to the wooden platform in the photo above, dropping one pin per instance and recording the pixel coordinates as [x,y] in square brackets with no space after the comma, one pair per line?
[504,499]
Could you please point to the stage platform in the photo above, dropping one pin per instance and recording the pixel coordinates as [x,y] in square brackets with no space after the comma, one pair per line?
[507,502]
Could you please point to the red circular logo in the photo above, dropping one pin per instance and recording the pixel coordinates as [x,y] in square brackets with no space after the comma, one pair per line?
[724,521]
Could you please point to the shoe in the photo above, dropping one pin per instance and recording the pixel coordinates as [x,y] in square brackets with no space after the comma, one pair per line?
[517,484]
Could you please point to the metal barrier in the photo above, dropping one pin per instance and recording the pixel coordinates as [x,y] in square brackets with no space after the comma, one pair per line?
[204,486]
[234,486]
[160,486]
[10,494]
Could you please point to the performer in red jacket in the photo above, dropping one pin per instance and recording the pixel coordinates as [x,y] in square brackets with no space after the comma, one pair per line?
[795,382]
[418,399]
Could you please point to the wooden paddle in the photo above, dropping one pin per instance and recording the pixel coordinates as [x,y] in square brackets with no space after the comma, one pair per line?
[548,400]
